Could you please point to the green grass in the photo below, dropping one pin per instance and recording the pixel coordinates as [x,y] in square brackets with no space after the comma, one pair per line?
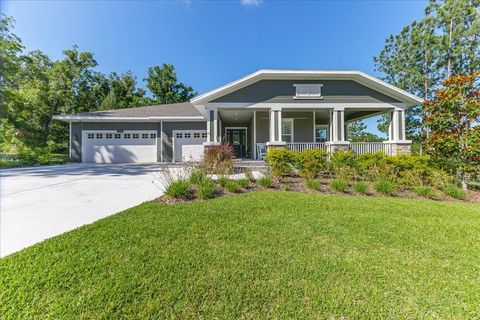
[257,255]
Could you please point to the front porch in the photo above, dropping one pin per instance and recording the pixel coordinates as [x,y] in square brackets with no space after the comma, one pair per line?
[251,132]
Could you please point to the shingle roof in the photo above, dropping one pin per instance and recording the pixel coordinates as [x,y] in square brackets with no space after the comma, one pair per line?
[184,109]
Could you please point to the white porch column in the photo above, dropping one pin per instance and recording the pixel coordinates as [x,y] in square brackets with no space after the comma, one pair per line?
[279,125]
[275,130]
[212,126]
[397,142]
[337,138]
[271,137]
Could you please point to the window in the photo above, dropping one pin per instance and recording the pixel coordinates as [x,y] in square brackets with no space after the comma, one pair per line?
[287,130]
[144,135]
[321,133]
[135,136]
[178,135]
[196,135]
[126,135]
[153,135]
[109,136]
[188,135]
[99,135]
[204,134]
[90,136]
[308,91]
[118,135]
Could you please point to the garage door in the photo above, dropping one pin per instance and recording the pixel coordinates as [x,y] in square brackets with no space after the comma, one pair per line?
[119,147]
[188,144]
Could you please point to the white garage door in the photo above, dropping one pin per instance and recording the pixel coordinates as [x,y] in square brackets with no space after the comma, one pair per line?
[119,147]
[188,144]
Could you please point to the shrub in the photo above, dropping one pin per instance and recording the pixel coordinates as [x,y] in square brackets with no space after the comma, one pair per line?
[280,161]
[232,186]
[265,182]
[454,192]
[244,183]
[206,188]
[222,181]
[249,174]
[339,185]
[313,184]
[343,159]
[219,159]
[385,186]
[360,187]
[310,163]
[179,189]
[425,192]
[197,176]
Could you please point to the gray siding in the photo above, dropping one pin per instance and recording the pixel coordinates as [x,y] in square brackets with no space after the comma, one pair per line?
[282,91]
[302,125]
[262,127]
[168,127]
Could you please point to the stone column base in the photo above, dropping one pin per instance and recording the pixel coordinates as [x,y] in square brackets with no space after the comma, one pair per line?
[394,148]
[335,146]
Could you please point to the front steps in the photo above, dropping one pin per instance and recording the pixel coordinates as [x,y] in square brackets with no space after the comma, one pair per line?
[240,165]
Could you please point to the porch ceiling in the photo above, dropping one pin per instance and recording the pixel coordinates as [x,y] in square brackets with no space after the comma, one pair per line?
[232,116]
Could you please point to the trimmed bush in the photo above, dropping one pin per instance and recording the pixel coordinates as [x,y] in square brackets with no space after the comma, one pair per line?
[232,186]
[206,188]
[280,161]
[197,176]
[339,185]
[265,182]
[310,163]
[244,183]
[384,186]
[425,192]
[360,187]
[313,185]
[222,181]
[455,192]
[178,189]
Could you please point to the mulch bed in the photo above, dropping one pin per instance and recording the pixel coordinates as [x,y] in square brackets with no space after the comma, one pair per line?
[297,184]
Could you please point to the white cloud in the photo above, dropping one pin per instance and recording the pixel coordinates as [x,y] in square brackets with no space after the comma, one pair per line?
[251,3]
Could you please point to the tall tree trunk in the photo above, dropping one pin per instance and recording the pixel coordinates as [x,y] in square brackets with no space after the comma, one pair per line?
[449,50]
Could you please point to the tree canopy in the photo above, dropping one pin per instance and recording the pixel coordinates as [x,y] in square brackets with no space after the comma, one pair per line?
[34,88]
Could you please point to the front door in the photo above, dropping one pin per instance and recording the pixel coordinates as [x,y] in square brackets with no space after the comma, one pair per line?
[237,139]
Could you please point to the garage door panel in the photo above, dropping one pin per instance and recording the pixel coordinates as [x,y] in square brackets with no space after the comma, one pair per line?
[182,139]
[128,147]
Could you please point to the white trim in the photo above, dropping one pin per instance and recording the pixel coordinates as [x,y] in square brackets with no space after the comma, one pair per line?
[161,141]
[255,135]
[357,76]
[70,141]
[246,134]
[314,128]
[306,105]
[292,120]
[110,119]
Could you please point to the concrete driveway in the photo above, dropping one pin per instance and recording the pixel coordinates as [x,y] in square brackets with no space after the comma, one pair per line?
[39,203]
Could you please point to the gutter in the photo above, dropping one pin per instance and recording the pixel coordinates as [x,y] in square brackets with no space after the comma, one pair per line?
[74,118]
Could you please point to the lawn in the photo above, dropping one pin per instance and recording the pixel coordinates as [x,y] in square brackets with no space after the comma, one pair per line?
[257,255]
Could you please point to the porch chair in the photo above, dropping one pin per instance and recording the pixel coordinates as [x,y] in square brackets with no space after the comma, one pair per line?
[261,150]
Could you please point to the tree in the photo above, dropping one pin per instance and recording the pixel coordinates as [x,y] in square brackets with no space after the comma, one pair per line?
[454,123]
[424,53]
[162,82]
[123,92]
[357,132]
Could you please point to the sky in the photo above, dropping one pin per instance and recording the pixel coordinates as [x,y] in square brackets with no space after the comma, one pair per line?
[211,43]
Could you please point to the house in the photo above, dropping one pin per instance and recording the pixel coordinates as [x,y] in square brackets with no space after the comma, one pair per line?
[297,109]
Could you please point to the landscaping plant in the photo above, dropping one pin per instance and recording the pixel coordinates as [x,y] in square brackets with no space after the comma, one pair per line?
[244,183]
[205,188]
[425,191]
[455,192]
[280,161]
[385,186]
[232,186]
[179,189]
[219,159]
[265,182]
[197,176]
[360,187]
[222,181]
[339,185]
[313,184]
[310,163]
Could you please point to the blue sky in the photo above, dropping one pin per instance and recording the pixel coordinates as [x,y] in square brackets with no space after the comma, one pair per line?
[214,42]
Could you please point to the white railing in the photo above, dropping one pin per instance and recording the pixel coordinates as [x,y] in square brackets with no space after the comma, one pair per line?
[368,147]
[300,146]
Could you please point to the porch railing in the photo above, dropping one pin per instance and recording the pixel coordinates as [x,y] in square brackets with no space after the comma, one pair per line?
[300,146]
[368,147]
